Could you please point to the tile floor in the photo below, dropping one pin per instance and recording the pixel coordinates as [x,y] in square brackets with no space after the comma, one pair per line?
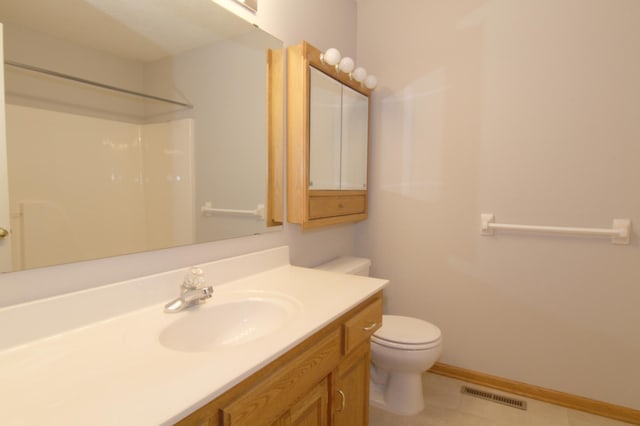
[446,405]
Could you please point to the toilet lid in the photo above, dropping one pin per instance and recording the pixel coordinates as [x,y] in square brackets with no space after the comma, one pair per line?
[407,331]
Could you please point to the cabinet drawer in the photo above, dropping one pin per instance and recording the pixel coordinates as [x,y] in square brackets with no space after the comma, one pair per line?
[264,403]
[320,207]
[362,325]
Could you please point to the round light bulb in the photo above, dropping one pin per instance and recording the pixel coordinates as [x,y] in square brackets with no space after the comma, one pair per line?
[370,82]
[346,64]
[358,74]
[331,56]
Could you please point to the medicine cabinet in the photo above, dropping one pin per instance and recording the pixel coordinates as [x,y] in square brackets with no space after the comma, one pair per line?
[327,142]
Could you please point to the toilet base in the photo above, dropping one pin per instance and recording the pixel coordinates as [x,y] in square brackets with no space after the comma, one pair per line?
[401,395]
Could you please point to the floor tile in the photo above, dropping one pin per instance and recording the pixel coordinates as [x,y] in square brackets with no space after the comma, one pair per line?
[446,405]
[579,418]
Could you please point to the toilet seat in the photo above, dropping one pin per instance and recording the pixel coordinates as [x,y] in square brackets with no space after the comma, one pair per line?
[406,333]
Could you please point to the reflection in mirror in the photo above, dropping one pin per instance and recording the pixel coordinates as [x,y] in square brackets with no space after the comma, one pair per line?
[355,138]
[338,134]
[252,5]
[175,155]
[325,98]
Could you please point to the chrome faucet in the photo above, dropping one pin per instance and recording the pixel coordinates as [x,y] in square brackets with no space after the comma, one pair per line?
[193,291]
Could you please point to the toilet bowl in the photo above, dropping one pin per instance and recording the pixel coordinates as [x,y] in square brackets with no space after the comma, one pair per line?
[401,350]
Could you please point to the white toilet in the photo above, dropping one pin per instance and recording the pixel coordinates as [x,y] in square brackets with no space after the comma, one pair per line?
[401,350]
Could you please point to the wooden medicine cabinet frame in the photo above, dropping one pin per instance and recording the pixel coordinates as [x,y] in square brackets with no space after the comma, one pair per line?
[275,139]
[312,208]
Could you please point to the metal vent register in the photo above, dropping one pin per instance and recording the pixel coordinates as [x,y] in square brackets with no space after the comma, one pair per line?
[500,399]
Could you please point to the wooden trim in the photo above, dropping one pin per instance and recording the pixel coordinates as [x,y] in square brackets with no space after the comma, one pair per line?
[297,96]
[575,402]
[336,220]
[335,192]
[275,137]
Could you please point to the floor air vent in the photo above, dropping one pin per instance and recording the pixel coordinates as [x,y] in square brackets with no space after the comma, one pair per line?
[500,399]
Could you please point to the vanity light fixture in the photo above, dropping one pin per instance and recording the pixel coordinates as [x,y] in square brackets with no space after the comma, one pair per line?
[358,74]
[346,64]
[370,82]
[332,57]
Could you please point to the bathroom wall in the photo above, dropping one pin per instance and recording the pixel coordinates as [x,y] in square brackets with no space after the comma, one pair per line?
[528,110]
[324,24]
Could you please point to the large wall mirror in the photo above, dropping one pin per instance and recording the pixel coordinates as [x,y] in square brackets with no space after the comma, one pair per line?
[130,126]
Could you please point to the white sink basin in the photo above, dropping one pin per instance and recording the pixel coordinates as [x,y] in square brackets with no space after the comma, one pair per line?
[233,321]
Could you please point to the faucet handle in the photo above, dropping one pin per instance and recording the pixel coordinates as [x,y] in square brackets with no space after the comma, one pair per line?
[194,279]
[207,292]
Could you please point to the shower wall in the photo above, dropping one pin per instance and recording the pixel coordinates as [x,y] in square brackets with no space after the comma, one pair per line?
[83,171]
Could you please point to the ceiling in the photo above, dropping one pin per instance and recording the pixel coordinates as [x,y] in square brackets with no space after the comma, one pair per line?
[145,30]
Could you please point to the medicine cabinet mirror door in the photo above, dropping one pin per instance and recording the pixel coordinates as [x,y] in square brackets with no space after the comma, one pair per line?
[355,138]
[325,98]
[338,135]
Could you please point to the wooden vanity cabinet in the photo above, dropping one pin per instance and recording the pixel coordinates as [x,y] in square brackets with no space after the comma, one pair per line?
[352,388]
[326,163]
[352,375]
[311,409]
[322,381]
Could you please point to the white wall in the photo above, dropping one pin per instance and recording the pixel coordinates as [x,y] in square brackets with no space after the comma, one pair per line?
[323,23]
[528,110]
[291,21]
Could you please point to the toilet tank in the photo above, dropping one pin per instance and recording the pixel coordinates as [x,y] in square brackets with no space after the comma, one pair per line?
[347,265]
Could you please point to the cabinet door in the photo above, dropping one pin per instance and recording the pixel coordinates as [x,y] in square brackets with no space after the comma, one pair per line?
[325,117]
[355,139]
[277,393]
[352,388]
[312,409]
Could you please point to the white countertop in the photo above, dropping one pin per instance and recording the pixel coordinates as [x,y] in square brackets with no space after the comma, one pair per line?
[116,371]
